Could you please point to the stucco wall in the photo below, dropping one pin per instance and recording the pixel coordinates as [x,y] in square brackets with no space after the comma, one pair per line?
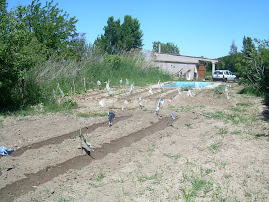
[175,63]
[179,69]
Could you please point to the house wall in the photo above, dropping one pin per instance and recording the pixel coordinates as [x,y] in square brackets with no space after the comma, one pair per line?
[185,70]
[181,65]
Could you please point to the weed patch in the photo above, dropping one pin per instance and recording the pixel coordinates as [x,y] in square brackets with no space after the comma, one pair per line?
[244,104]
[236,132]
[235,118]
[171,156]
[215,147]
[199,185]
[83,115]
[61,199]
[100,176]
[156,177]
[219,89]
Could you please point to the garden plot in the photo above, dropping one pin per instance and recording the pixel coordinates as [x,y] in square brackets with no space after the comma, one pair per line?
[215,149]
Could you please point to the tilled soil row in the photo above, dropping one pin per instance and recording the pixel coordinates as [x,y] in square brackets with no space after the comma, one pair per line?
[60,139]
[20,187]
[129,97]
[165,96]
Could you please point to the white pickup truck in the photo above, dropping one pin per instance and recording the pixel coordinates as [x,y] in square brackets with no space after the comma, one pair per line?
[223,75]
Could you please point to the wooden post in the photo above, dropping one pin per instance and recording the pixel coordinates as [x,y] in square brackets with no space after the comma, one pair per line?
[74,86]
[84,84]
[22,87]
[80,141]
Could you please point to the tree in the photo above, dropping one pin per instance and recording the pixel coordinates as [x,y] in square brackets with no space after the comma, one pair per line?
[233,49]
[248,47]
[28,36]
[19,50]
[131,35]
[165,48]
[109,42]
[244,59]
[3,8]
[229,61]
[258,67]
[253,65]
[78,48]
[120,37]
[49,24]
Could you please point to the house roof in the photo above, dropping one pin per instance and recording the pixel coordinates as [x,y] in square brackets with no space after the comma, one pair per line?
[168,57]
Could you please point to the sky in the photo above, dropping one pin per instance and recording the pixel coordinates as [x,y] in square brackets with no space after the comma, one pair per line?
[197,27]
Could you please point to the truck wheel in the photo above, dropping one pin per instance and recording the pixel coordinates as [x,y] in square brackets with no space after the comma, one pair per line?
[225,80]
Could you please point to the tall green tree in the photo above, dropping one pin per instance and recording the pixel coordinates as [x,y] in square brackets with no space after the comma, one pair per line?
[131,35]
[248,47]
[51,26]
[229,61]
[253,65]
[28,35]
[109,42]
[233,49]
[120,37]
[245,59]
[19,51]
[165,47]
[78,48]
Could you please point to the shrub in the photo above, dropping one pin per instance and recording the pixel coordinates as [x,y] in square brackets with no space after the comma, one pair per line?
[219,89]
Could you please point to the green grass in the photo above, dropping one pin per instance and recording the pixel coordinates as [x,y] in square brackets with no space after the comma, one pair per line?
[100,176]
[66,106]
[236,132]
[186,108]
[208,75]
[236,109]
[96,185]
[244,104]
[235,118]
[93,70]
[62,199]
[171,156]
[150,151]
[215,147]
[156,177]
[198,183]
[83,115]
[43,82]
[188,125]
[87,115]
[223,131]
[249,91]
[219,89]
[1,123]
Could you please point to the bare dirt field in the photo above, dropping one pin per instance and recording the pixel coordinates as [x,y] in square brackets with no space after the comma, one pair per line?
[215,150]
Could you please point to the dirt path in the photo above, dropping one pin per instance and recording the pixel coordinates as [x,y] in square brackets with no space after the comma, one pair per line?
[215,149]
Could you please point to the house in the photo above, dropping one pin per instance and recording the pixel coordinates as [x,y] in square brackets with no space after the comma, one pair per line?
[182,65]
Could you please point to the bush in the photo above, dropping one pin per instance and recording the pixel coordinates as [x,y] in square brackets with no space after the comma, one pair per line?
[219,89]
[112,60]
[41,81]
